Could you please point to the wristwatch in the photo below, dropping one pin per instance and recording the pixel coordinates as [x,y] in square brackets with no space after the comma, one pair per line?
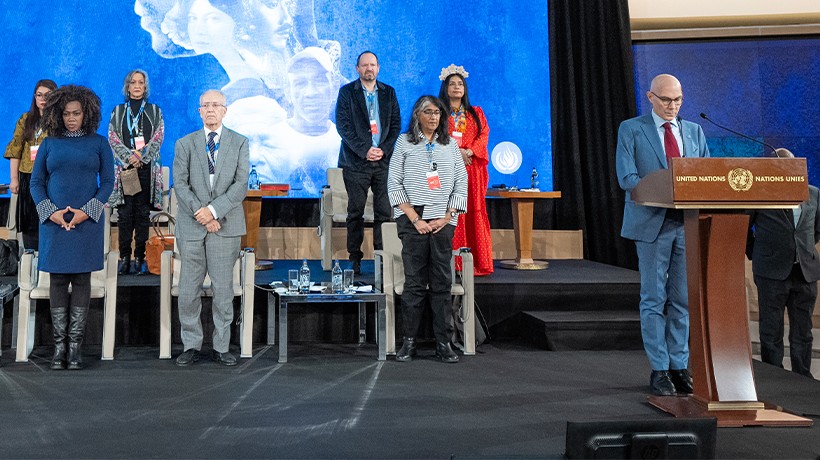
[453,214]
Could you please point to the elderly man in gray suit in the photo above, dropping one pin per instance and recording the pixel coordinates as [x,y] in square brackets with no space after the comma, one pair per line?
[210,181]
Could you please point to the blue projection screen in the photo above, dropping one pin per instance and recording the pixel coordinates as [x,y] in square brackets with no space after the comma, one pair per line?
[764,87]
[281,62]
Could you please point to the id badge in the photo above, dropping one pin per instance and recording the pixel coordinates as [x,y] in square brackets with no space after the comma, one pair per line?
[33,152]
[433,182]
[457,135]
[374,128]
[139,142]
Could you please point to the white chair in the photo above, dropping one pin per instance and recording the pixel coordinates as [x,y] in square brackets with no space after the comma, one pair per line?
[334,209]
[390,276]
[34,286]
[243,286]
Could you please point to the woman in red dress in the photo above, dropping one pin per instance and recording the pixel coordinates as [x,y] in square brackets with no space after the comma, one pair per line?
[469,127]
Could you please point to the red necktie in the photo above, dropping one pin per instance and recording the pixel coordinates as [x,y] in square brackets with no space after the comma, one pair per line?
[670,144]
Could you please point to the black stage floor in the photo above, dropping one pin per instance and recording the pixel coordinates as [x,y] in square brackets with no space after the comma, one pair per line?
[337,401]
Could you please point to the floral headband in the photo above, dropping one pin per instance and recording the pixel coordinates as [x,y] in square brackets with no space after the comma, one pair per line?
[450,70]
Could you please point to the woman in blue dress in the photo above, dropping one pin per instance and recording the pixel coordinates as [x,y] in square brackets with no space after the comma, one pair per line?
[73,177]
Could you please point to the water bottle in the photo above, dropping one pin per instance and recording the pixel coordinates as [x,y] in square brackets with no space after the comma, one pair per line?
[304,278]
[253,179]
[336,277]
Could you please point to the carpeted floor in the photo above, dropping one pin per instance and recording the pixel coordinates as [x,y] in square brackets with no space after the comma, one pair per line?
[337,401]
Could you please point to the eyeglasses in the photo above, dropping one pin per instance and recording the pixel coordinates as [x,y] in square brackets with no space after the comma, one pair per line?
[431,113]
[41,95]
[211,105]
[667,101]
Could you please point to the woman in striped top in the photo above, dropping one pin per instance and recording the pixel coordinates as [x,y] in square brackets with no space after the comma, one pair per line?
[427,187]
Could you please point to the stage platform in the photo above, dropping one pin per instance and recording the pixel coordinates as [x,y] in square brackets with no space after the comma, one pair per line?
[580,290]
[510,401]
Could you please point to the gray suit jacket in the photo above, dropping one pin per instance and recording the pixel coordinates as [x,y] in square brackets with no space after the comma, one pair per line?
[639,153]
[192,188]
[774,240]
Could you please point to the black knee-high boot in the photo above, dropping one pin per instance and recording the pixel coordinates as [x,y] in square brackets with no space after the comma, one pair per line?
[59,320]
[76,332]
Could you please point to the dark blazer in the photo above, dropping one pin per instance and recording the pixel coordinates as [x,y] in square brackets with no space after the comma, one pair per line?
[353,124]
[774,240]
[640,152]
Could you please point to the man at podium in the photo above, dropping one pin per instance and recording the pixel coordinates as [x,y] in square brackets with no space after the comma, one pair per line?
[644,145]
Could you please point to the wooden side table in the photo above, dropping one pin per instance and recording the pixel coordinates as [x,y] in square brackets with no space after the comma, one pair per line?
[523,203]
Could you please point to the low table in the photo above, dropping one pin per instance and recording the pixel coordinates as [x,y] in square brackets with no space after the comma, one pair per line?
[283,299]
[8,293]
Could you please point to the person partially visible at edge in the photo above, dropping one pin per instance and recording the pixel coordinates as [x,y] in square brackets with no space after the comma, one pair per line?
[211,181]
[786,266]
[646,144]
[136,131]
[468,126]
[21,152]
[427,186]
[368,120]
[72,179]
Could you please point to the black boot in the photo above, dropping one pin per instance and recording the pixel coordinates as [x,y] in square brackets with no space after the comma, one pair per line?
[445,353]
[59,321]
[76,332]
[125,266]
[140,266]
[407,351]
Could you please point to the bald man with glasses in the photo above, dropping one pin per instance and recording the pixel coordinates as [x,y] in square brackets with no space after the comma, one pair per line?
[645,145]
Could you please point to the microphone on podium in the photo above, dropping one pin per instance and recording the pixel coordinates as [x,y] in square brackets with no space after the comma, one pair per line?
[774,150]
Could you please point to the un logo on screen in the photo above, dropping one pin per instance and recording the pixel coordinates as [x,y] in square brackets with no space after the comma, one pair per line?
[506,157]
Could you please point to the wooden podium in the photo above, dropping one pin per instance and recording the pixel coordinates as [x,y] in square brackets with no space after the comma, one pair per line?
[714,193]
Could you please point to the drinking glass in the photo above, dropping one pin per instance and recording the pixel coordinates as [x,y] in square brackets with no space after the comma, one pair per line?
[293,281]
[347,282]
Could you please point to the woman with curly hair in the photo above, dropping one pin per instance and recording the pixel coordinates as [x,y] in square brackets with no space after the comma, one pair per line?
[135,132]
[72,179]
[21,152]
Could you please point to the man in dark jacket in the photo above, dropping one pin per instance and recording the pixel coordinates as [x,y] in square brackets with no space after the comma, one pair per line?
[368,121]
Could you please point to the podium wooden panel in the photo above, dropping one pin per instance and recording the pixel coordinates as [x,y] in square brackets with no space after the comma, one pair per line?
[714,193]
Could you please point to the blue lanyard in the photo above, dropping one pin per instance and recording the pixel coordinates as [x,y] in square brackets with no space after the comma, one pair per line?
[211,157]
[371,102]
[133,121]
[430,147]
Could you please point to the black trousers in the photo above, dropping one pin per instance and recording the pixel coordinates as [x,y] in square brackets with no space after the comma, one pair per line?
[80,290]
[27,220]
[797,296]
[357,182]
[134,217]
[426,259]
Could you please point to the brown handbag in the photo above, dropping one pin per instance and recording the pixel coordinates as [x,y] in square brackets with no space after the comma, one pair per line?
[158,243]
[130,181]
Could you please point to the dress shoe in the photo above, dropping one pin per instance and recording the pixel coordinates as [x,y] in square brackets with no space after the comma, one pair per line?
[225,359]
[187,357]
[356,265]
[445,353]
[125,266]
[660,384]
[140,266]
[407,350]
[682,381]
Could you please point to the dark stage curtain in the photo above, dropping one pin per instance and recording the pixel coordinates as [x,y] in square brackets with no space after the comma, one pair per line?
[592,91]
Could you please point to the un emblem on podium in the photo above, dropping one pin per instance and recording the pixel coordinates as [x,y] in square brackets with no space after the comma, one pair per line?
[740,179]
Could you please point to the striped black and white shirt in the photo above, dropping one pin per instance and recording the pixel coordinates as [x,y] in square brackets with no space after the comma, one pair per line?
[407,178]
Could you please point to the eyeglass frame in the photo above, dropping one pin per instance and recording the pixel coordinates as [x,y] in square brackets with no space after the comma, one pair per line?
[431,113]
[211,105]
[667,101]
